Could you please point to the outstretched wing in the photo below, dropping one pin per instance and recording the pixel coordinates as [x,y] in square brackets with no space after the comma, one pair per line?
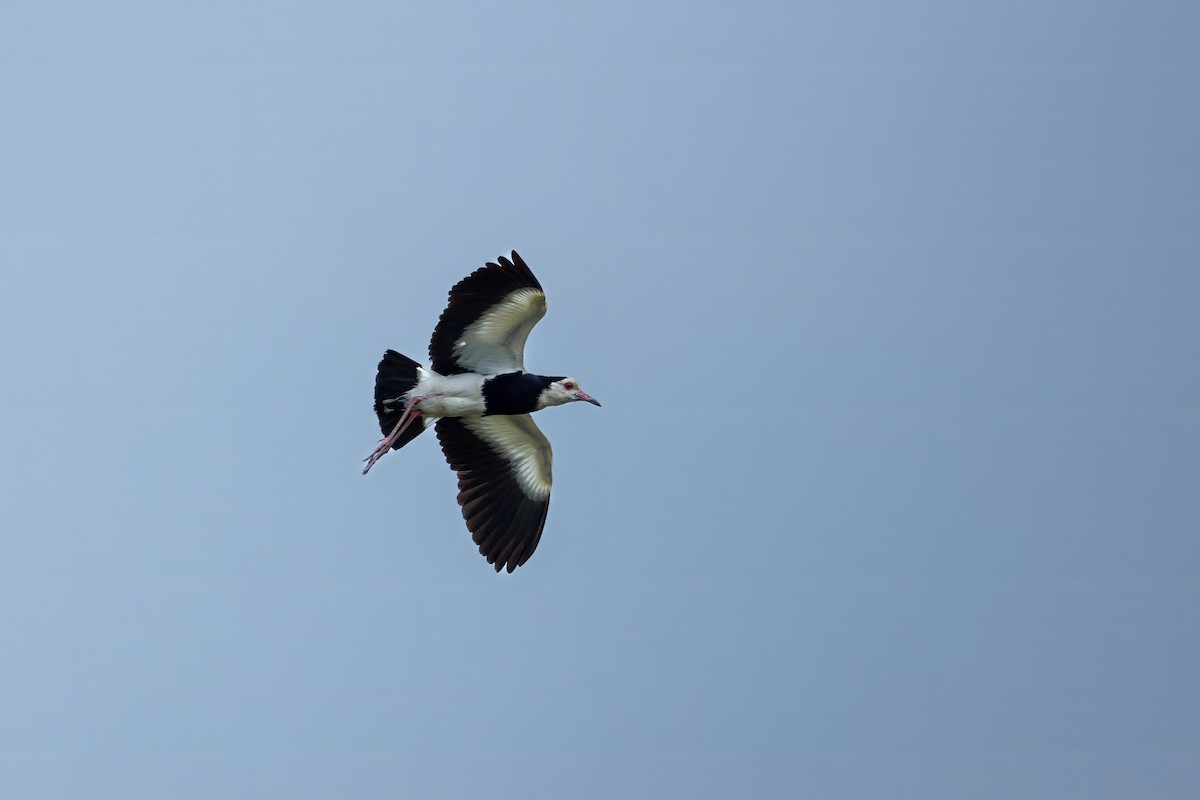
[488,319]
[503,465]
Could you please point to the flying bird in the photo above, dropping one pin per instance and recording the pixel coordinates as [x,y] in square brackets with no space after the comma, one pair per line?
[478,396]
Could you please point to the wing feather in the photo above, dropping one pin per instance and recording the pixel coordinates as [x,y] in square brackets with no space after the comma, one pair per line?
[504,479]
[487,320]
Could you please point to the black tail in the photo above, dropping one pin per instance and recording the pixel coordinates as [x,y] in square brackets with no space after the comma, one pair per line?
[397,374]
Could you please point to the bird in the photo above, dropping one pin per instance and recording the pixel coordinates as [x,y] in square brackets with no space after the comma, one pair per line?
[478,396]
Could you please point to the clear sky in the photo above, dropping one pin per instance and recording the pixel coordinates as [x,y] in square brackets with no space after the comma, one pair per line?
[892,308]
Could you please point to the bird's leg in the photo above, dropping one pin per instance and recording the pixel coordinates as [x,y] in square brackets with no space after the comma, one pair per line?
[411,414]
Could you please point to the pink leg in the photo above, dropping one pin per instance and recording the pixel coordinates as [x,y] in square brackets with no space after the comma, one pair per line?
[410,415]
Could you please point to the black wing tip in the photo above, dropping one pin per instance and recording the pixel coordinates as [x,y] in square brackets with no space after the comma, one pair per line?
[515,542]
[505,565]
[514,551]
[515,269]
[509,272]
[513,261]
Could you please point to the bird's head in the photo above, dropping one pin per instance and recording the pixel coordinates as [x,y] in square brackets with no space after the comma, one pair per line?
[563,390]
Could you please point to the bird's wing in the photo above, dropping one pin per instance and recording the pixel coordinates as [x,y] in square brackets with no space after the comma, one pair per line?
[488,318]
[503,465]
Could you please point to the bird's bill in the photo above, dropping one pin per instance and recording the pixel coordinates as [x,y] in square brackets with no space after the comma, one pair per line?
[581,395]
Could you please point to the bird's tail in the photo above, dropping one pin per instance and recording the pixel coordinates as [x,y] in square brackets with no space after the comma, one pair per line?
[397,376]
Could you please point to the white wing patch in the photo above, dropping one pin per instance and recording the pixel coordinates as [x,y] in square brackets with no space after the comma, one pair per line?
[518,439]
[495,343]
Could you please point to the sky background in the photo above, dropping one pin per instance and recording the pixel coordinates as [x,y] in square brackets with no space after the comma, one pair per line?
[892,308]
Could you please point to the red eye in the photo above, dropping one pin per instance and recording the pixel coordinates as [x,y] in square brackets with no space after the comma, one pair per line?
[570,387]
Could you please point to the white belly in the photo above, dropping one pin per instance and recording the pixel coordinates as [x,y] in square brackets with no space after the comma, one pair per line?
[449,395]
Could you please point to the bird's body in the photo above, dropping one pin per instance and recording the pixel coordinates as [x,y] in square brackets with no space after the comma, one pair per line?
[449,395]
[479,396]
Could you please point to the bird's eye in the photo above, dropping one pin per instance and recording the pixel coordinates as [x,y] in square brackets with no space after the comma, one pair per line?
[570,387]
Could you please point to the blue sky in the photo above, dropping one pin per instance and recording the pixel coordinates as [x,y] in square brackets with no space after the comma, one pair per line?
[891,307]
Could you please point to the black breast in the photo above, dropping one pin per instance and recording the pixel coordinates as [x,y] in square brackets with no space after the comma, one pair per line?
[513,392]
